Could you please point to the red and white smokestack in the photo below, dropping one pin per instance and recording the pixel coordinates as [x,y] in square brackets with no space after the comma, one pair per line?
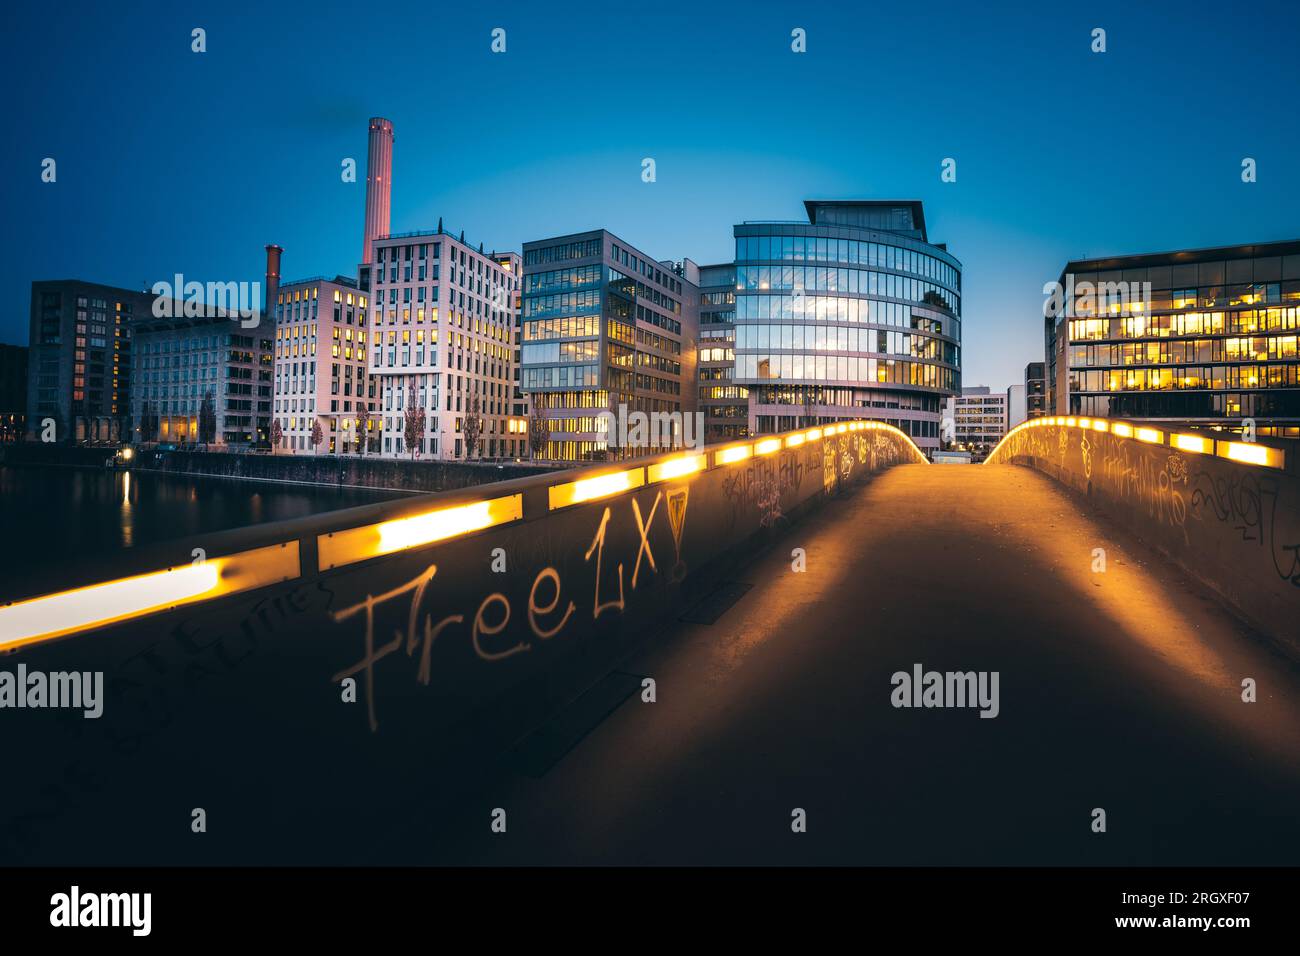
[379,185]
[272,280]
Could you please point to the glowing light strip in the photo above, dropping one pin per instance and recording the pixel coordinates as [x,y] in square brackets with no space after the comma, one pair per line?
[1248,453]
[729,456]
[593,489]
[676,468]
[338,548]
[794,441]
[1192,443]
[98,605]
[813,434]
[767,446]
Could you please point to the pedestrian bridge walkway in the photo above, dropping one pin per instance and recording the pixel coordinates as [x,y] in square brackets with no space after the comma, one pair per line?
[1133,588]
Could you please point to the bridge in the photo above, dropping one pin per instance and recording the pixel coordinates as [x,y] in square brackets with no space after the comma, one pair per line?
[743,655]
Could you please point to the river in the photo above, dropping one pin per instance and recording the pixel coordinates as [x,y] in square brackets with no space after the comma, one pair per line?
[48,513]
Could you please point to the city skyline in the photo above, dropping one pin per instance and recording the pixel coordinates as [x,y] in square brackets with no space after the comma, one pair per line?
[732,122]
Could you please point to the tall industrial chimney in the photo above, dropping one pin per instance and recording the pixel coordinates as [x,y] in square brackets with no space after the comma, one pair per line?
[272,280]
[379,184]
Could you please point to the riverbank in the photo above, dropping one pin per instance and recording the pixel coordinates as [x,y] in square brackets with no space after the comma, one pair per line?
[382,474]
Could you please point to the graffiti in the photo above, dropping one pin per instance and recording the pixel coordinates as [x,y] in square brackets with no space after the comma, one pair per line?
[1085,449]
[768,499]
[762,484]
[495,611]
[1248,504]
[678,498]
[1139,475]
[830,475]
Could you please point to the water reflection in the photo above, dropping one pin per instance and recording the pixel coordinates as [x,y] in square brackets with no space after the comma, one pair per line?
[127,528]
[51,513]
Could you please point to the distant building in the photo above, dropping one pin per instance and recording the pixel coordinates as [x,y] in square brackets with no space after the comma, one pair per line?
[854,314]
[321,366]
[180,362]
[1202,335]
[1017,406]
[979,419]
[443,336]
[79,358]
[724,404]
[607,328]
[13,393]
[1035,389]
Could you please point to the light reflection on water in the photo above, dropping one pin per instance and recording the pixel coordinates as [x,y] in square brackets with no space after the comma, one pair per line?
[50,513]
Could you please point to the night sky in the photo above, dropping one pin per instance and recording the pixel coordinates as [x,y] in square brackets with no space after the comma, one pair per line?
[171,161]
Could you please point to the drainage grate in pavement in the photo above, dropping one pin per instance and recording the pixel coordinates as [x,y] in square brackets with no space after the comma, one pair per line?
[716,603]
[542,749]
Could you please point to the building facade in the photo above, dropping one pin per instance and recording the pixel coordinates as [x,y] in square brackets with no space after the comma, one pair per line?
[1036,390]
[979,418]
[1206,335]
[442,348]
[13,393]
[180,363]
[321,367]
[1017,405]
[79,359]
[608,329]
[724,404]
[853,314]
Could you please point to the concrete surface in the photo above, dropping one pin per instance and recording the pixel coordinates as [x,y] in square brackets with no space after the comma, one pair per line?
[1118,690]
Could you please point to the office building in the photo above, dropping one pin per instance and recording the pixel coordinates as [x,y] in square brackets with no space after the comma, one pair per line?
[442,343]
[724,404]
[1036,390]
[79,359]
[1206,336]
[606,328]
[854,314]
[979,418]
[181,362]
[1017,405]
[321,367]
[13,393]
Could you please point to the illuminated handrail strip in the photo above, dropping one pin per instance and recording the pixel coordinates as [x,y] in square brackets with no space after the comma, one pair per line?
[594,488]
[98,605]
[108,602]
[337,548]
[1246,453]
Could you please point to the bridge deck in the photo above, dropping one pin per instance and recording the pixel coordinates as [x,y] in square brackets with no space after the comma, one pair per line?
[1119,690]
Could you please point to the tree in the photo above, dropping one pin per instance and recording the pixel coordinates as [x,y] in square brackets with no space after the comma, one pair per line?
[539,428]
[317,436]
[277,433]
[473,425]
[363,425]
[207,420]
[413,425]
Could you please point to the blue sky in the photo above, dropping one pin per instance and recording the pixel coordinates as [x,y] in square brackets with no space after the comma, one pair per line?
[171,161]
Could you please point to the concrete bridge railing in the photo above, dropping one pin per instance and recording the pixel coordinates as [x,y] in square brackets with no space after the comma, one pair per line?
[1226,511]
[327,651]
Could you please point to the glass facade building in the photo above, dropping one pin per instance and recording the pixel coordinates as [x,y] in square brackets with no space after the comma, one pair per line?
[724,404]
[1206,335]
[853,314]
[604,327]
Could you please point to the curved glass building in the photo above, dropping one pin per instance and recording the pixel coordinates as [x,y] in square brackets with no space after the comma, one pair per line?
[854,314]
